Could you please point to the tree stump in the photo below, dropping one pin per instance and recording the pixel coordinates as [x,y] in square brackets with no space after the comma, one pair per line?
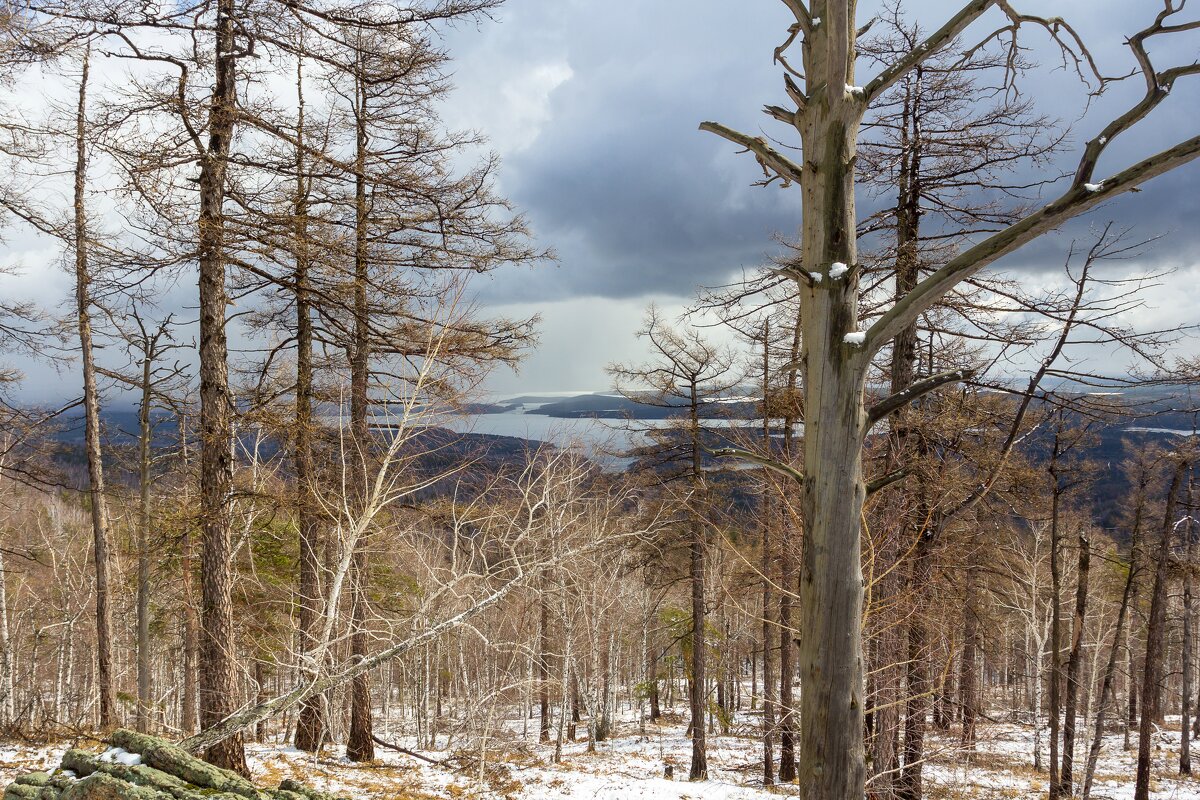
[141,767]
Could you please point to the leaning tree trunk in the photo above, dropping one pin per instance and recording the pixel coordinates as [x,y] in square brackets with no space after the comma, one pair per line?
[1152,675]
[218,666]
[105,681]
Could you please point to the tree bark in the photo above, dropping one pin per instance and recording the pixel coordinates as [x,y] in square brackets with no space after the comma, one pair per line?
[832,763]
[105,680]
[217,668]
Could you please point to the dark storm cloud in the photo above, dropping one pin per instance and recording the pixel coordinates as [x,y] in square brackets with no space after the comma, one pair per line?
[594,107]
[637,201]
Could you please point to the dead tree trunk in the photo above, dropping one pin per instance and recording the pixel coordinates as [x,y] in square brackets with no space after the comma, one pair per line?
[105,681]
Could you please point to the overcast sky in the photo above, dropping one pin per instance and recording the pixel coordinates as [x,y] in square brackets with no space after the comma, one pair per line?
[594,106]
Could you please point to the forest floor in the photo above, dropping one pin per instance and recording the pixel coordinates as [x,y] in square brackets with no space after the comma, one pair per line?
[630,765]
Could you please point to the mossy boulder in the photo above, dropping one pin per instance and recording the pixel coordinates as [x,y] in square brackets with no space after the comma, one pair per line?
[141,767]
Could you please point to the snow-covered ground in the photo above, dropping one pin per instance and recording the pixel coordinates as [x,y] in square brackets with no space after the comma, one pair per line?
[631,765]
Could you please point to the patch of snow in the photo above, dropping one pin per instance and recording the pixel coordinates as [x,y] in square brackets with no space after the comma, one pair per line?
[855,338]
[129,759]
[855,91]
[816,21]
[1094,187]
[837,270]
[111,754]
[816,277]
[1103,140]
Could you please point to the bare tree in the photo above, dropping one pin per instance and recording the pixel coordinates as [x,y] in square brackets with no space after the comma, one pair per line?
[686,373]
[91,408]
[826,113]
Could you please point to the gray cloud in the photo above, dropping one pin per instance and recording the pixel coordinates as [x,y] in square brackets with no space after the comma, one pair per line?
[594,108]
[637,201]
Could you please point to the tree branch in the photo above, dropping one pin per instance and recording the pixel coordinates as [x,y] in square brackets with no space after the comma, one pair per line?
[915,390]
[935,42]
[1074,202]
[768,157]
[755,458]
[883,481]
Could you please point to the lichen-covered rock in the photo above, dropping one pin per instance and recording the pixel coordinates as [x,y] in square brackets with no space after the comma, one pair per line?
[141,767]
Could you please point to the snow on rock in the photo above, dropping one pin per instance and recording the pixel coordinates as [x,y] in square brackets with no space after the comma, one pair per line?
[855,338]
[628,765]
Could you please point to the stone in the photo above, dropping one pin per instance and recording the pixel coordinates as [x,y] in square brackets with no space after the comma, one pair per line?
[166,772]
